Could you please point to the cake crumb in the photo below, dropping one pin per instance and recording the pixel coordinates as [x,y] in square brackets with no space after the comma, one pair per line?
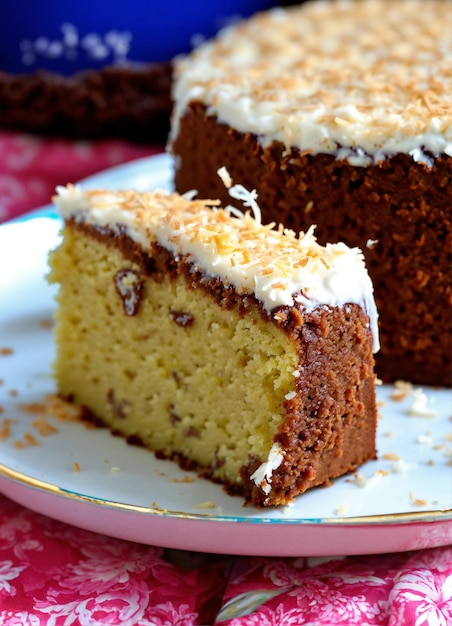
[53,406]
[27,441]
[5,429]
[45,323]
[62,409]
[280,316]
[6,351]
[417,501]
[13,393]
[208,504]
[30,439]
[76,466]
[402,389]
[43,426]
[40,424]
[32,407]
[185,479]
[391,456]
[115,469]
[340,510]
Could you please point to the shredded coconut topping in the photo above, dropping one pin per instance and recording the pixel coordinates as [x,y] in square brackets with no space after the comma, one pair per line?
[262,477]
[276,266]
[239,192]
[359,79]
[225,177]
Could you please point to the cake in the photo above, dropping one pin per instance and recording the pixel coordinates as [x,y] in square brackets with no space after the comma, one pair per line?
[237,350]
[339,115]
[131,102]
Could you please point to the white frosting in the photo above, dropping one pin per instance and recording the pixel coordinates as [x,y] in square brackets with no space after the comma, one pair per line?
[361,80]
[276,266]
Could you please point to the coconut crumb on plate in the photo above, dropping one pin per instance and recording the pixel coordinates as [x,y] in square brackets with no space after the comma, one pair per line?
[419,406]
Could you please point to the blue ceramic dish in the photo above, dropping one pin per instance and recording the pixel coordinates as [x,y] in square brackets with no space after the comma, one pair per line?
[69,35]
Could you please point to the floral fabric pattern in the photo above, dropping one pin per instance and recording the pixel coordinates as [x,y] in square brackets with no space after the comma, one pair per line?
[31,167]
[385,590]
[53,574]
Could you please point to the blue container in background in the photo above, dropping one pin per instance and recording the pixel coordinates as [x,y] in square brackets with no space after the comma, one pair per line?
[66,36]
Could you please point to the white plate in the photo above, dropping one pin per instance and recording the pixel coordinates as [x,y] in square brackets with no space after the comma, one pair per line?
[123,491]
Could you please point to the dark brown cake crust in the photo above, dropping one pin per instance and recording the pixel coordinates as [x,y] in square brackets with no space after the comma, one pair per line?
[330,426]
[402,206]
[330,429]
[130,102]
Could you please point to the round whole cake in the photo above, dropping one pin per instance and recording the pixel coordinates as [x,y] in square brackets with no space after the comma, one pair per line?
[339,114]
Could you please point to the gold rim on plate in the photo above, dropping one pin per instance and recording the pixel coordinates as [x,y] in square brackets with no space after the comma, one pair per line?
[388,518]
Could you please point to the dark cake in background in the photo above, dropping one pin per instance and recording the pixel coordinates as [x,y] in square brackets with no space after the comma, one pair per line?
[133,103]
[84,70]
[339,115]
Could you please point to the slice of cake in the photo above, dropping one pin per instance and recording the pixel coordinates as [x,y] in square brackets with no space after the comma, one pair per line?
[339,114]
[239,351]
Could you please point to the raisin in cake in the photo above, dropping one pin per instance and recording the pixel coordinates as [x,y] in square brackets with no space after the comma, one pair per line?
[211,339]
[339,114]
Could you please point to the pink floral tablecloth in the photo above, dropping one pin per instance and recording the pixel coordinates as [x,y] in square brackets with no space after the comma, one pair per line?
[55,574]
[31,167]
